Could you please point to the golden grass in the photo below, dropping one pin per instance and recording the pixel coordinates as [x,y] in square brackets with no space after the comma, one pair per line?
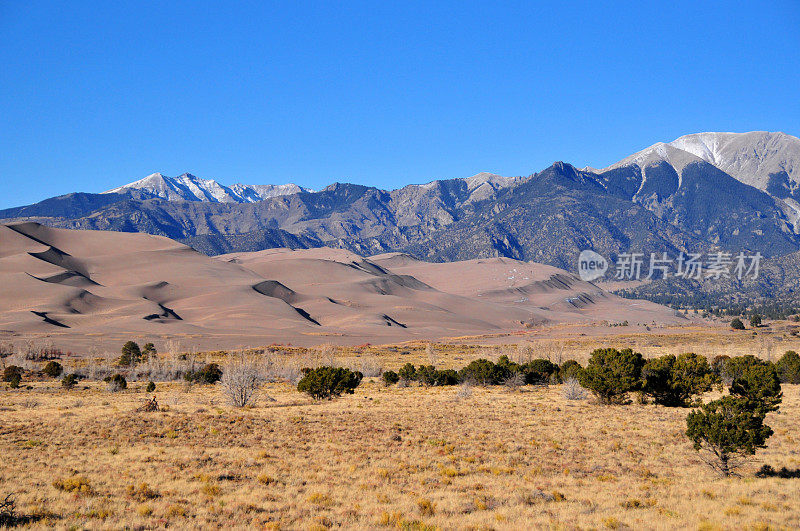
[413,458]
[562,342]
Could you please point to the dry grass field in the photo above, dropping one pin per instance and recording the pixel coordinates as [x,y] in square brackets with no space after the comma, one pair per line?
[410,458]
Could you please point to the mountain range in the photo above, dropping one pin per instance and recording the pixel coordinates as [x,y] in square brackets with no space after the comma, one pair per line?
[188,187]
[705,192]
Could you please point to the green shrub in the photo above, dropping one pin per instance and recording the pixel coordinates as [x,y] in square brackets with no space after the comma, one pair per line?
[673,381]
[131,354]
[430,376]
[480,372]
[426,375]
[732,368]
[150,387]
[390,377]
[446,377]
[757,381]
[539,371]
[569,369]
[407,372]
[11,373]
[512,367]
[729,429]
[788,367]
[328,382]
[69,381]
[148,350]
[116,383]
[53,369]
[209,374]
[611,374]
[737,324]
[755,320]
[484,372]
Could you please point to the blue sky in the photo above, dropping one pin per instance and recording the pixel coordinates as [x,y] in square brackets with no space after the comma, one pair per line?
[97,94]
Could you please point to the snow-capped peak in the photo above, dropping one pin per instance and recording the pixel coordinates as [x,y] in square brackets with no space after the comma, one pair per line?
[188,187]
[258,192]
[755,158]
[751,158]
[654,155]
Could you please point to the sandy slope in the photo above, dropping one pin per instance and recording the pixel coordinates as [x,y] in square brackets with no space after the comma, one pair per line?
[527,285]
[97,286]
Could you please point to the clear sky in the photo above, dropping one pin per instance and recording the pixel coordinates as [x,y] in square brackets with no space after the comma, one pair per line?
[97,94]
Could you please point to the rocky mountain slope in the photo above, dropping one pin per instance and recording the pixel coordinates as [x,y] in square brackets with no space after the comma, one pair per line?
[752,158]
[767,161]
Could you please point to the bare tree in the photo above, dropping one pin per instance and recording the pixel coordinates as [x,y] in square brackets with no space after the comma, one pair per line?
[431,353]
[514,382]
[241,381]
[326,355]
[464,391]
[370,367]
[573,390]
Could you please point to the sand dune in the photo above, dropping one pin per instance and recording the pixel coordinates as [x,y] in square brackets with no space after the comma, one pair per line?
[95,286]
[103,282]
[550,292]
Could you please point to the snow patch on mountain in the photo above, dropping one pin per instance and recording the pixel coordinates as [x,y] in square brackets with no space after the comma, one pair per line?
[188,187]
[655,154]
[755,158]
[750,158]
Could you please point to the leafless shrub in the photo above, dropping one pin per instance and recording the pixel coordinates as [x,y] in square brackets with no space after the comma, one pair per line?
[464,391]
[270,365]
[44,352]
[403,382]
[18,358]
[6,350]
[98,366]
[149,369]
[117,383]
[573,390]
[370,368]
[766,349]
[512,352]
[241,381]
[538,495]
[173,347]
[431,353]
[514,382]
[171,365]
[8,506]
[289,373]
[279,367]
[149,405]
[327,353]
